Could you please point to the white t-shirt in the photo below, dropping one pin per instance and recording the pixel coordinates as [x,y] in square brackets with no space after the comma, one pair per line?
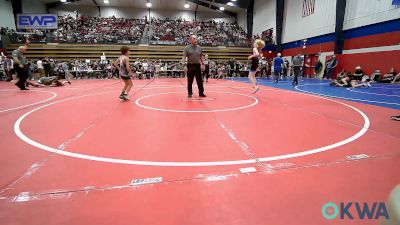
[145,66]
[39,64]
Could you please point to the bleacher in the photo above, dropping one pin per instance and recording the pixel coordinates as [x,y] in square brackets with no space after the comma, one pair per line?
[66,52]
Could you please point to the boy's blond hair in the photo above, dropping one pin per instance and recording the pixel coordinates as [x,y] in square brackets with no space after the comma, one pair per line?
[259,43]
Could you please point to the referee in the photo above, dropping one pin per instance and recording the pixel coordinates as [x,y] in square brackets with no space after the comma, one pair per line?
[297,62]
[21,66]
[195,63]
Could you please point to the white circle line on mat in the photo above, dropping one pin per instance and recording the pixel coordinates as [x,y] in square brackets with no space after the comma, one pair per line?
[23,137]
[35,103]
[137,102]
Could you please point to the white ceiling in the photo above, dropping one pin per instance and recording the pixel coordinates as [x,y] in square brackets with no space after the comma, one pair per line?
[156,4]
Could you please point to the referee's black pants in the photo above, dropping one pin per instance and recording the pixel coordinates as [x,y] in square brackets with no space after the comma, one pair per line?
[296,71]
[194,71]
[22,75]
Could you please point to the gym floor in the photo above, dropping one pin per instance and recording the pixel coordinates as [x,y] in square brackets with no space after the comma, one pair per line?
[79,155]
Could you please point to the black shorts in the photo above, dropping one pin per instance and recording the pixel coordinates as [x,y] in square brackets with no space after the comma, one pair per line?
[254,64]
[126,77]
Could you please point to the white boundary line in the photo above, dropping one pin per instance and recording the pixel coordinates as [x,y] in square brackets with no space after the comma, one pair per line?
[23,137]
[24,106]
[137,102]
[393,88]
[334,96]
[369,93]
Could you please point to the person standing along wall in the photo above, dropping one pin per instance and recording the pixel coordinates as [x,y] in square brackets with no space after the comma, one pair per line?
[264,67]
[278,64]
[297,62]
[46,66]
[331,67]
[318,69]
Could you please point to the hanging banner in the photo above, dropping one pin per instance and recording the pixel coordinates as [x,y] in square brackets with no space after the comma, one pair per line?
[37,21]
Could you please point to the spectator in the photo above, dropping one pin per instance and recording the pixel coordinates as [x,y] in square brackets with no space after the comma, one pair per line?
[376,76]
[285,68]
[341,75]
[318,68]
[358,73]
[396,79]
[278,64]
[231,67]
[388,77]
[46,66]
[333,63]
[65,66]
[264,67]
[40,68]
[8,67]
[347,81]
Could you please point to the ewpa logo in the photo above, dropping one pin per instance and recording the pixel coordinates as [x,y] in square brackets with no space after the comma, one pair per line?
[37,21]
[355,210]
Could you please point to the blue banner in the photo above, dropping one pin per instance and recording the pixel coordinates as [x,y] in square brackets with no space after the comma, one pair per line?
[37,21]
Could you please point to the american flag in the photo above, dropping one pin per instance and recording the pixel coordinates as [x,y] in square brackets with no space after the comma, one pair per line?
[308,7]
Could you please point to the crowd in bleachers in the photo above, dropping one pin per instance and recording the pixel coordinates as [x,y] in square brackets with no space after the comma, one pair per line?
[237,35]
[104,69]
[210,33]
[18,37]
[85,29]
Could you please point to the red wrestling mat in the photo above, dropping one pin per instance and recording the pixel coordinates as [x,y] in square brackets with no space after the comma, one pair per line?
[69,155]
